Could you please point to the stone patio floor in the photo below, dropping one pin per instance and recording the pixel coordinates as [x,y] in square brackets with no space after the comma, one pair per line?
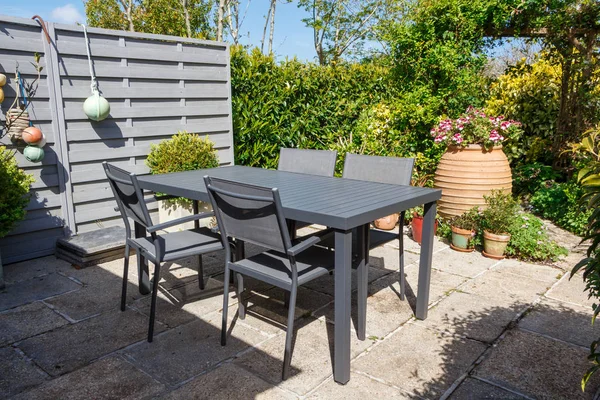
[496,329]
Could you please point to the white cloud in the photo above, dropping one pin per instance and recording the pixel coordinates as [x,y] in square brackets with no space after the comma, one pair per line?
[67,14]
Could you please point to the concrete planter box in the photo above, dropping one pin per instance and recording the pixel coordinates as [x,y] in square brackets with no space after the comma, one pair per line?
[169,210]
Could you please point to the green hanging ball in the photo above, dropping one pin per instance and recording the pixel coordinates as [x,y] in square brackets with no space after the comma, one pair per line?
[96,107]
[33,153]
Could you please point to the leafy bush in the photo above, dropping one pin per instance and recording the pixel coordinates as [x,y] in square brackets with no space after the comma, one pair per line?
[500,212]
[528,178]
[14,195]
[183,152]
[559,202]
[470,220]
[295,104]
[529,240]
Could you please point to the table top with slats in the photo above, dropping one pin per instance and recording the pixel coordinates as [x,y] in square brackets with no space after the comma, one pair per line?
[334,202]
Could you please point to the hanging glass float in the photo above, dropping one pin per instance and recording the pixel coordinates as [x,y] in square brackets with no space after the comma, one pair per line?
[2,83]
[34,153]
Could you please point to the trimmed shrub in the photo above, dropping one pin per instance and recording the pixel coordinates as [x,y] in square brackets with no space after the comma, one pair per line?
[14,195]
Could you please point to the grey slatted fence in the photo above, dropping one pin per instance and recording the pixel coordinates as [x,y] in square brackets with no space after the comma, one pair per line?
[156,85]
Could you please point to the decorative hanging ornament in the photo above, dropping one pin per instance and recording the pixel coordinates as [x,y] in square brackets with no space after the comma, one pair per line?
[33,153]
[32,135]
[95,107]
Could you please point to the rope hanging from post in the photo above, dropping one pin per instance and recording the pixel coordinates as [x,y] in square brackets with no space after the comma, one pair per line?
[95,107]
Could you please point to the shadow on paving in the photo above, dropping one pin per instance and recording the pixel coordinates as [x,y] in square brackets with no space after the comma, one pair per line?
[53,346]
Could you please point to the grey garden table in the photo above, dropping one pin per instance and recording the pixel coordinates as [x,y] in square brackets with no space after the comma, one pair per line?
[342,204]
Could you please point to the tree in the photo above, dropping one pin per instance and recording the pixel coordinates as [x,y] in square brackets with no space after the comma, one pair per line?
[269,21]
[189,18]
[339,26]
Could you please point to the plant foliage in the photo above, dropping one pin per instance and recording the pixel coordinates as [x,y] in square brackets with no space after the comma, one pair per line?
[14,195]
[469,220]
[529,240]
[500,213]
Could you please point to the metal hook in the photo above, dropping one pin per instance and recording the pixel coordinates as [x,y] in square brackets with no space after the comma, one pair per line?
[43,24]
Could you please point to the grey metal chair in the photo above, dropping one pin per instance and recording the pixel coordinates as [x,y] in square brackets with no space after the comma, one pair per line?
[306,161]
[391,170]
[155,248]
[254,214]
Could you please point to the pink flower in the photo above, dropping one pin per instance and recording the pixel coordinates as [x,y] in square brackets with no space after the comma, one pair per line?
[457,138]
[439,138]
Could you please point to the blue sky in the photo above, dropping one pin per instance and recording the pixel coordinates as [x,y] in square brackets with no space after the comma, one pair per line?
[292,37]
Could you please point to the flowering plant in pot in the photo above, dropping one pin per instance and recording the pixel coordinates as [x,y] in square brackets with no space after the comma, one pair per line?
[464,227]
[497,221]
[474,144]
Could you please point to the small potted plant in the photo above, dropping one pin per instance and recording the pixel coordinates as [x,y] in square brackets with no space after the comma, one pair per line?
[14,195]
[497,220]
[416,224]
[464,227]
[183,152]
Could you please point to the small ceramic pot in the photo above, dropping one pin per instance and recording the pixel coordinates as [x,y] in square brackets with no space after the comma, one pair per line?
[462,239]
[386,223]
[495,245]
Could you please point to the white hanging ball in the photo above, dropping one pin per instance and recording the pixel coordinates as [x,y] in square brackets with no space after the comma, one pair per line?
[96,107]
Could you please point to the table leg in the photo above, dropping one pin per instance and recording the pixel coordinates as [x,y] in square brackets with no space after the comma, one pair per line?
[142,263]
[343,271]
[196,210]
[425,261]
[362,277]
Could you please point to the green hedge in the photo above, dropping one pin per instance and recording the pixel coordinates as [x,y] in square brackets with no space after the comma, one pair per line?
[295,104]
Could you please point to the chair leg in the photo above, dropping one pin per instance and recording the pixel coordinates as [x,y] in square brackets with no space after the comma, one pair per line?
[125,273]
[240,294]
[153,303]
[225,305]
[200,273]
[401,250]
[289,336]
[286,298]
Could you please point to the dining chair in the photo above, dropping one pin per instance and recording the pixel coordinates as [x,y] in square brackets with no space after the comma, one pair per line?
[156,248]
[391,170]
[306,161]
[254,214]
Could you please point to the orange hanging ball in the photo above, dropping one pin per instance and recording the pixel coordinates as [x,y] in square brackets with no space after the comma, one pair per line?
[32,135]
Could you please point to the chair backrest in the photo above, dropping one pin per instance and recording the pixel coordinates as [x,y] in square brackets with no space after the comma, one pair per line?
[249,213]
[129,196]
[313,162]
[393,170]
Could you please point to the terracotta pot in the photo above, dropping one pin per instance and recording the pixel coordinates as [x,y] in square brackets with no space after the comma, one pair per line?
[495,245]
[387,223]
[417,228]
[462,239]
[466,174]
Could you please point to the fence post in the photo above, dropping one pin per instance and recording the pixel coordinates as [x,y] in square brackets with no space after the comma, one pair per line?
[60,131]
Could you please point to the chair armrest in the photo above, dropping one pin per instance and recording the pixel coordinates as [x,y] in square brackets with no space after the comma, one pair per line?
[309,241]
[179,221]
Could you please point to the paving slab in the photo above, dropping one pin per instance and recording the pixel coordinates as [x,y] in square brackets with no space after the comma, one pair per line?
[506,289]
[571,291]
[74,346]
[472,316]
[359,387]
[474,389]
[563,321]
[414,247]
[188,350]
[387,257]
[538,367]
[17,373]
[228,382]
[421,361]
[544,273]
[186,303]
[311,358]
[442,284]
[29,269]
[29,320]
[110,378]
[569,261]
[464,264]
[325,284]
[38,288]
[101,292]
[385,311]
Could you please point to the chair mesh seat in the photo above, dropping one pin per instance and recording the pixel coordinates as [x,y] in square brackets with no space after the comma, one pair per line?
[181,244]
[274,267]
